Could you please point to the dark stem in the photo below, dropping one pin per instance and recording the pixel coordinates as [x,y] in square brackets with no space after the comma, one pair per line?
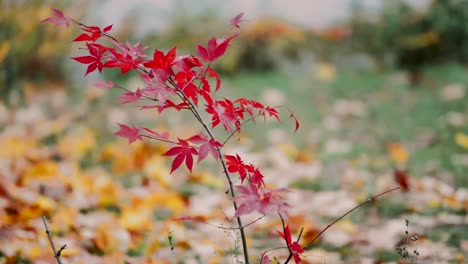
[347,213]
[287,245]
[223,163]
[57,253]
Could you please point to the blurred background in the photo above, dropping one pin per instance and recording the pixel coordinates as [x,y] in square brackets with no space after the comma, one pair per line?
[380,88]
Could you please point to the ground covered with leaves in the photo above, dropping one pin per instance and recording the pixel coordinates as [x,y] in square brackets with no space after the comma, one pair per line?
[111,202]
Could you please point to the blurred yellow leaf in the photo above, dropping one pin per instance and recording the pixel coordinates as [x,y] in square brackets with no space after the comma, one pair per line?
[34,252]
[4,48]
[45,203]
[78,143]
[42,170]
[70,252]
[173,201]
[398,152]
[434,203]
[325,71]
[462,140]
[14,147]
[108,191]
[136,218]
[156,168]
[112,242]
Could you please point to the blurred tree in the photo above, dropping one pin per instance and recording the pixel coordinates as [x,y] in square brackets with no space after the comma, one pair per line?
[263,44]
[29,51]
[414,38]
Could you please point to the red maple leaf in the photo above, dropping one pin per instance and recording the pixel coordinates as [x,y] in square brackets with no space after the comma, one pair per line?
[58,19]
[184,82]
[183,152]
[215,49]
[207,146]
[95,60]
[161,61]
[123,61]
[295,248]
[92,34]
[223,112]
[236,164]
[213,74]
[130,133]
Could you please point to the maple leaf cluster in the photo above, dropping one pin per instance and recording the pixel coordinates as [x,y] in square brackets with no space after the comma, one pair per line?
[185,83]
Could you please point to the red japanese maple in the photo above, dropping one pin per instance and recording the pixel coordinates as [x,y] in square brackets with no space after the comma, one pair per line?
[184,83]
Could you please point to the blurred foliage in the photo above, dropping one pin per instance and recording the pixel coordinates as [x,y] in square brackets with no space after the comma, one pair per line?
[30,52]
[413,37]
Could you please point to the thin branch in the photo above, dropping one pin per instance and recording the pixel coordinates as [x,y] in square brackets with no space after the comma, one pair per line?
[235,130]
[57,253]
[223,227]
[347,213]
[197,115]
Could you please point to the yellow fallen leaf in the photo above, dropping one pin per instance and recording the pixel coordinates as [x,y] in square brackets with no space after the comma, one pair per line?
[77,143]
[156,168]
[70,251]
[325,71]
[4,48]
[136,219]
[45,203]
[33,252]
[462,140]
[42,170]
[398,152]
[434,203]
[14,147]
[173,201]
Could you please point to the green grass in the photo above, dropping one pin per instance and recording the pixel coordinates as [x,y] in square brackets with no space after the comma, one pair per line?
[396,112]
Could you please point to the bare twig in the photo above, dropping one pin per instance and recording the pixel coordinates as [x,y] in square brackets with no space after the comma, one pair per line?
[347,213]
[57,253]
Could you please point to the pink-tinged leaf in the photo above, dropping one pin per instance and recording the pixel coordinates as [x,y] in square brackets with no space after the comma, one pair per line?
[103,85]
[58,18]
[108,28]
[154,134]
[265,260]
[182,152]
[261,199]
[207,146]
[130,97]
[235,22]
[130,133]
